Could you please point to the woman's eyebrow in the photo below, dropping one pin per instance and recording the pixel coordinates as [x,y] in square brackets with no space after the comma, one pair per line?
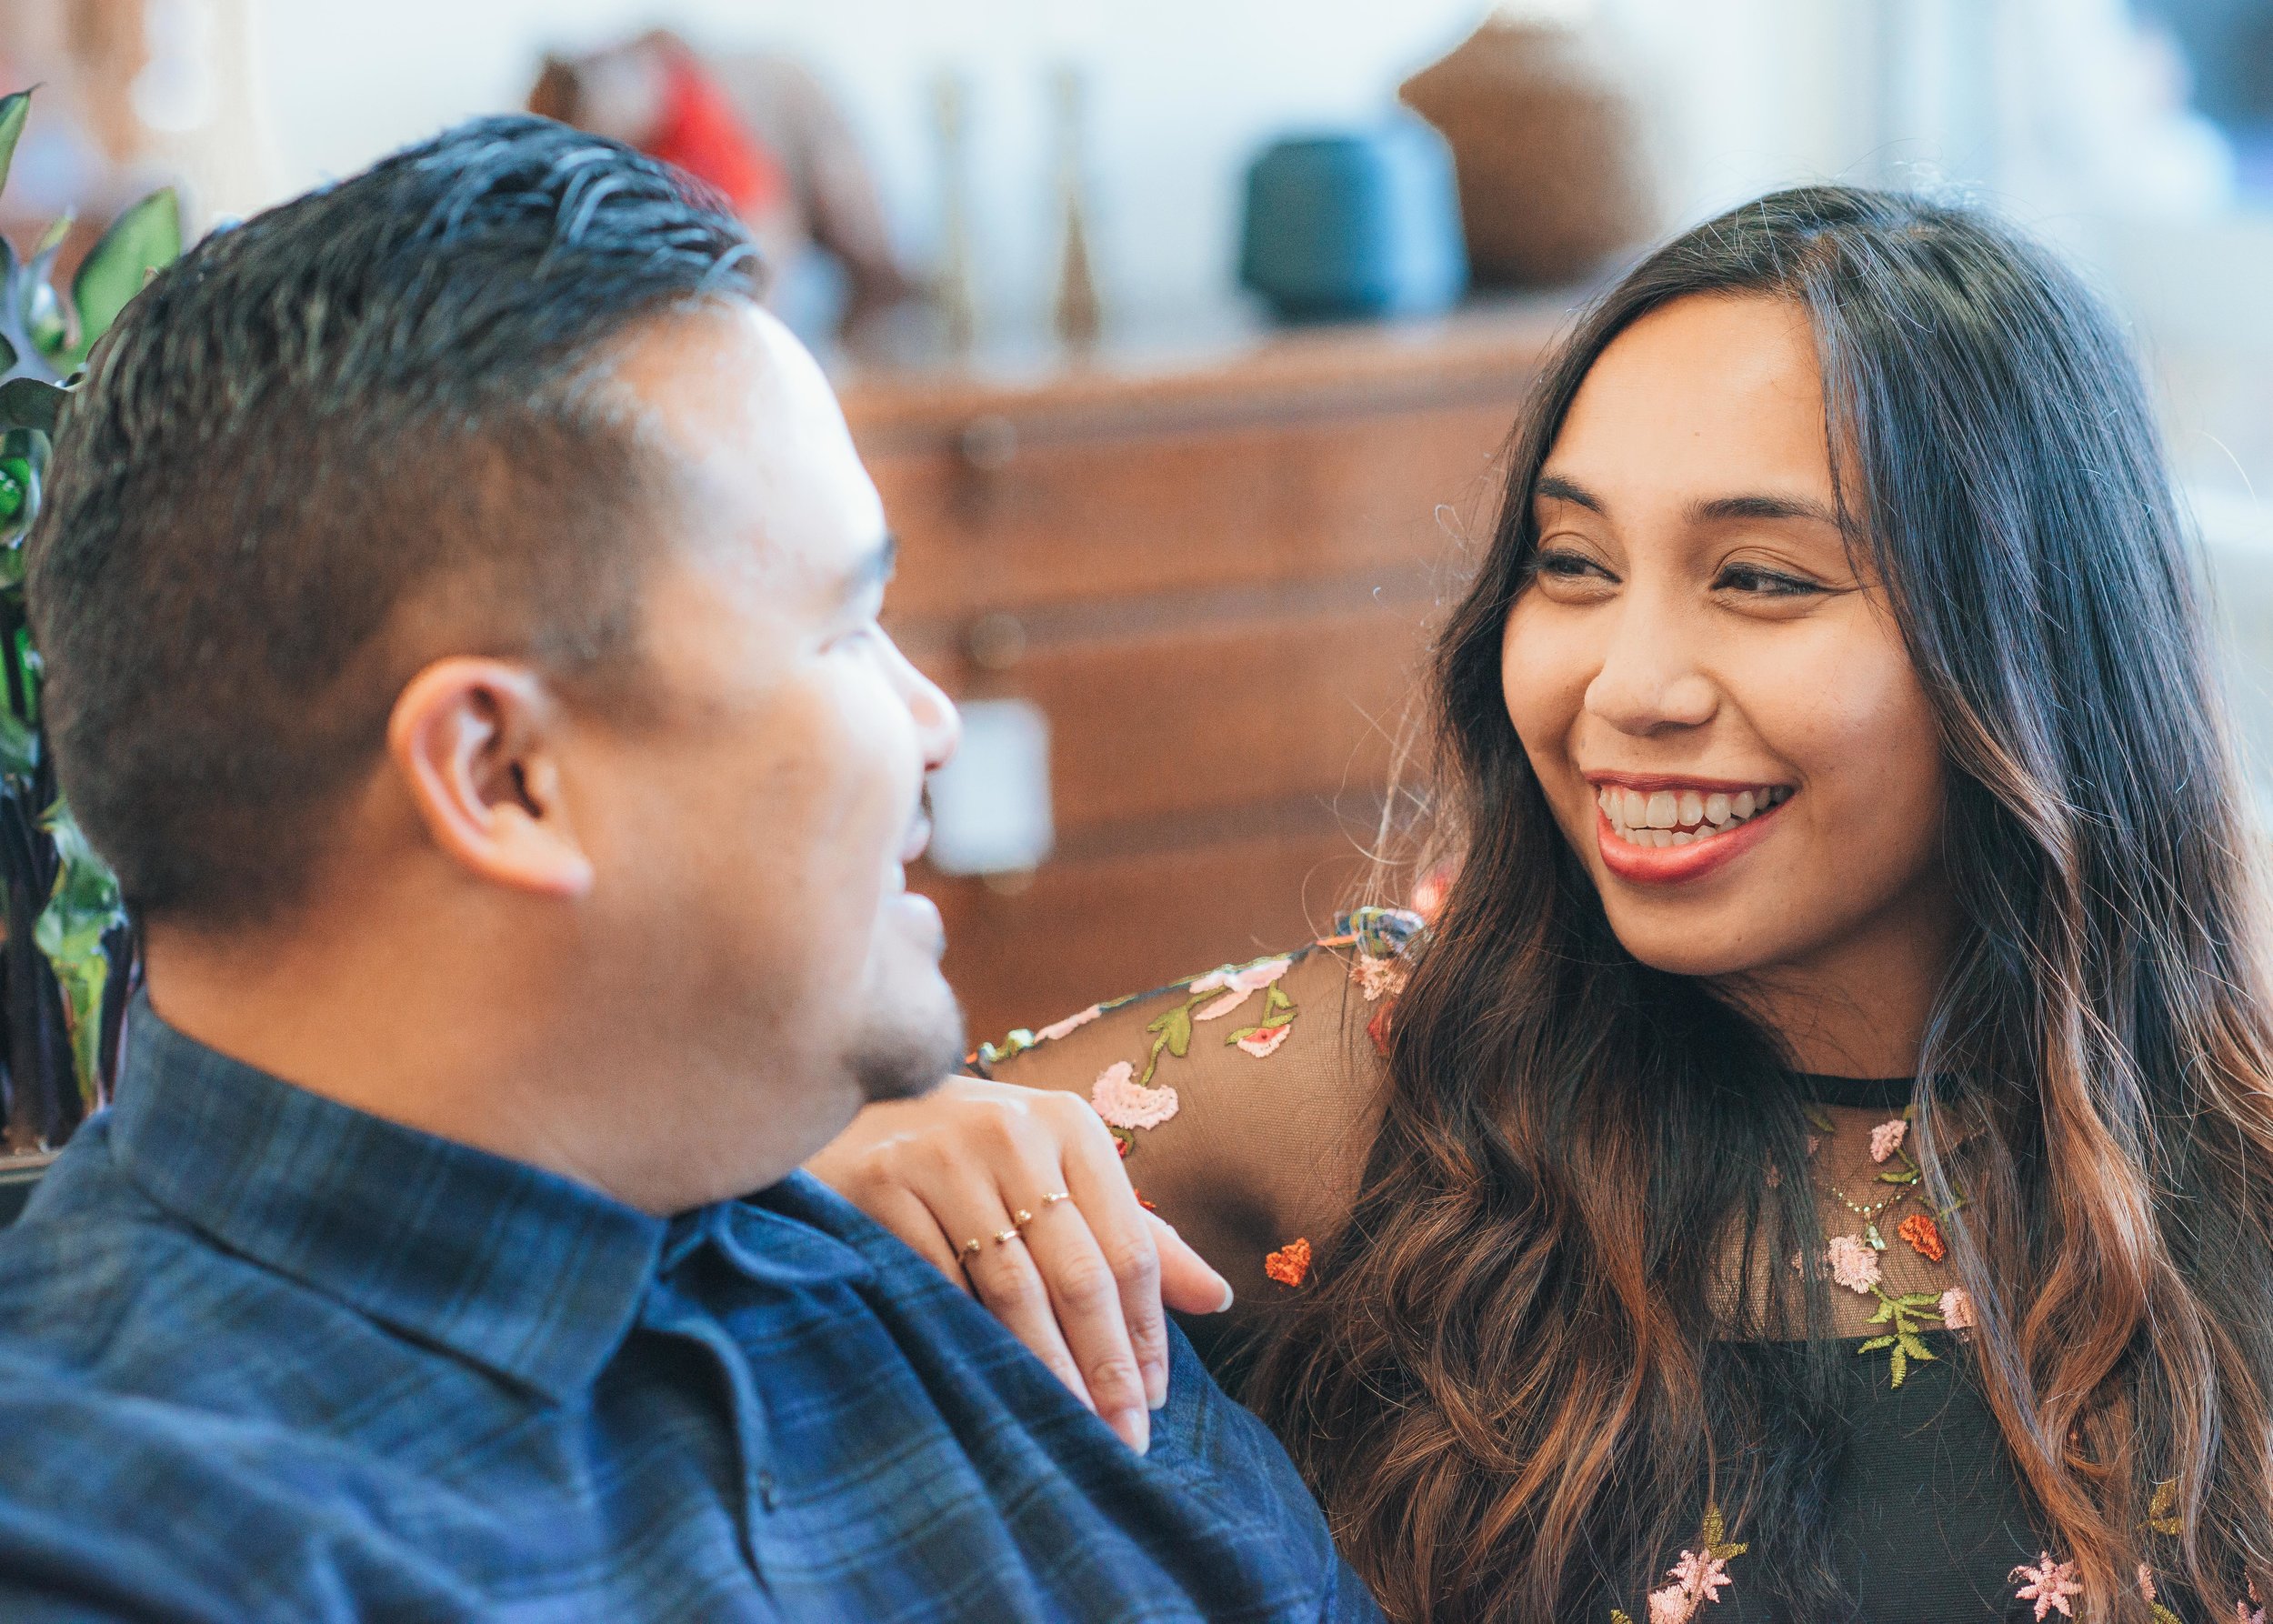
[1716,509]
[1554,487]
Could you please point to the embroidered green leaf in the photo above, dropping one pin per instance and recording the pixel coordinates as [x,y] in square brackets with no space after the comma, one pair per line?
[1883,1312]
[2163,1615]
[1618,1618]
[1919,1299]
[1900,1364]
[1870,1234]
[1716,1527]
[1818,1118]
[1899,1176]
[1875,1343]
[1275,999]
[1910,1344]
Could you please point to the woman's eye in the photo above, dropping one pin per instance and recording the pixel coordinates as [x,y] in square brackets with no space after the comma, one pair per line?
[1558,565]
[1765,583]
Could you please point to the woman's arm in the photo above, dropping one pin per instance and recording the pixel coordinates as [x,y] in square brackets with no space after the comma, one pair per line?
[1239,1103]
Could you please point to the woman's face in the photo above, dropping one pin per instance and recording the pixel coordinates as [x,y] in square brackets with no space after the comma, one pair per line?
[1716,703]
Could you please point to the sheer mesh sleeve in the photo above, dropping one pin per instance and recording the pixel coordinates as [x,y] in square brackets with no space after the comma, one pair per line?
[1244,1100]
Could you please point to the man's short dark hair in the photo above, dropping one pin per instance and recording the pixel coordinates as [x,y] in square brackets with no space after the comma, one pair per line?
[366,405]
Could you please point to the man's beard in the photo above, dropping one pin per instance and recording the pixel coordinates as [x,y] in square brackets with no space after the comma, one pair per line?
[911,1049]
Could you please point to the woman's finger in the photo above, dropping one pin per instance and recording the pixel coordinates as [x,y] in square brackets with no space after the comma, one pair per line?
[911,1221]
[1099,1186]
[1188,1282]
[1001,1274]
[1085,1296]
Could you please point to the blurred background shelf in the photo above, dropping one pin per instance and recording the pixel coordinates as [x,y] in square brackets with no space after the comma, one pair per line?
[1213,569]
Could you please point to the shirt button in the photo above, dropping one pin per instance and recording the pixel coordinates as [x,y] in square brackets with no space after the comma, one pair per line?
[767,1495]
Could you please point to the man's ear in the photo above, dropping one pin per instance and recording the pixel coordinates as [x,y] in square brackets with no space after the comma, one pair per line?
[476,744]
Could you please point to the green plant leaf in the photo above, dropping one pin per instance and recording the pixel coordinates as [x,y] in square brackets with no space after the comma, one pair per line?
[1875,1343]
[83,907]
[27,403]
[147,237]
[14,110]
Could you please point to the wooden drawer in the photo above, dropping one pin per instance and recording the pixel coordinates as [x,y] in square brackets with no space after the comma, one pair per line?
[1137,508]
[1093,928]
[1171,710]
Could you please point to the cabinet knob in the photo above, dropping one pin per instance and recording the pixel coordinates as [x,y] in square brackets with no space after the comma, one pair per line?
[996,642]
[989,443]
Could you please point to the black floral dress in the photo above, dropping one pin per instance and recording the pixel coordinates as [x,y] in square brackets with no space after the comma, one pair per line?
[1245,1100]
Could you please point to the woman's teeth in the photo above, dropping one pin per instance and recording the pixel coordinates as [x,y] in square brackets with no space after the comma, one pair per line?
[1677,817]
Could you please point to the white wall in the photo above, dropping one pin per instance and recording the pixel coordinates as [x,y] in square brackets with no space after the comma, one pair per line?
[1184,92]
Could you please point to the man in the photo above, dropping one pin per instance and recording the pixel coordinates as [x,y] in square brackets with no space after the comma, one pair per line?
[459,603]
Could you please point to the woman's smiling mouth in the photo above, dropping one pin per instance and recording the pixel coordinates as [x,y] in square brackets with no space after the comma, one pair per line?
[1660,831]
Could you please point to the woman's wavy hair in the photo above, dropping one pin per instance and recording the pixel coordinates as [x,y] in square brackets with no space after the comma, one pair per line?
[1527,1354]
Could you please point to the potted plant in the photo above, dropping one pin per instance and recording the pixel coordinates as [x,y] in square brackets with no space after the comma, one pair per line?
[69,963]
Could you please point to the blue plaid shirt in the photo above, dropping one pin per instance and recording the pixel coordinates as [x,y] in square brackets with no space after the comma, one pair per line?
[263,1357]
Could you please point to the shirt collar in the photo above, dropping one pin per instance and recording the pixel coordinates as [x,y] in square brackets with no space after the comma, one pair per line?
[524,1272]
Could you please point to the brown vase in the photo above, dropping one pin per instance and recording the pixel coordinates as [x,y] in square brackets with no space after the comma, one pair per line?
[1549,140]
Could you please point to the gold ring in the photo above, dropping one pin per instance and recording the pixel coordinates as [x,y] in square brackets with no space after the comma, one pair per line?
[1022,1218]
[971,1248]
[1007,1235]
[1053,1197]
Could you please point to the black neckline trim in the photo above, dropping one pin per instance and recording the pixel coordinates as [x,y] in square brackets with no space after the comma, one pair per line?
[1865,1093]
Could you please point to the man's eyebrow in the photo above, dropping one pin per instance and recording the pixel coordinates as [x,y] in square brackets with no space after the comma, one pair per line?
[1556,488]
[1721,508]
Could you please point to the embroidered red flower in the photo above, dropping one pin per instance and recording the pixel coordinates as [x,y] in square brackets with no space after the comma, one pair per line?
[1291,1264]
[1377,1028]
[1924,1236]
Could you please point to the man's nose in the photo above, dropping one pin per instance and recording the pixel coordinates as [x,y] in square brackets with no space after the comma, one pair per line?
[939,724]
[1650,679]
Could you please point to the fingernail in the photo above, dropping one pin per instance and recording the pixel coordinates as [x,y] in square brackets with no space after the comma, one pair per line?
[1227,1298]
[1134,1428]
[1156,1385]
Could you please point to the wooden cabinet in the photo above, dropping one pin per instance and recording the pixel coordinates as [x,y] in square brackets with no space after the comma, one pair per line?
[1215,577]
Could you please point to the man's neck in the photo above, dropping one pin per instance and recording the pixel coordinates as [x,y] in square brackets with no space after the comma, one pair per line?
[445,1039]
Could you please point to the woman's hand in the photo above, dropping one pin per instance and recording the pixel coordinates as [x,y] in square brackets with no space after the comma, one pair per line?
[1083,1282]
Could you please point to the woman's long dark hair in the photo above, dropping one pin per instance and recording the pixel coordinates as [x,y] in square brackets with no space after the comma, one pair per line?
[1526,1355]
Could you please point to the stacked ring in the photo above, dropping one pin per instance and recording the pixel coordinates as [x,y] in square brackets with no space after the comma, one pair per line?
[1007,1235]
[1053,1197]
[972,1248]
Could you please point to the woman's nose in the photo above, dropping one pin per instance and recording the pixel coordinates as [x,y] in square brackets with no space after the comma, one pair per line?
[1649,679]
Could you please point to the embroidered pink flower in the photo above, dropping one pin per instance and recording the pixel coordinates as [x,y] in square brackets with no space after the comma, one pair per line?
[1854,1264]
[1702,1575]
[1263,1041]
[1125,1102]
[1379,976]
[2246,1614]
[2147,1584]
[1069,1024]
[1671,1605]
[1956,1310]
[1236,986]
[1887,1139]
[2049,1584]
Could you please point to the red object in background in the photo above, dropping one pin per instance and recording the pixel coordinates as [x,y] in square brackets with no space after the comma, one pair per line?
[701,134]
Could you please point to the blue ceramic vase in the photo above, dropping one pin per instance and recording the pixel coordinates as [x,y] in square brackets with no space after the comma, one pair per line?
[1354,224]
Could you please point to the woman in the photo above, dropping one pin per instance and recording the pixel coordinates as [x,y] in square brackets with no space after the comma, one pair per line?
[1830,712]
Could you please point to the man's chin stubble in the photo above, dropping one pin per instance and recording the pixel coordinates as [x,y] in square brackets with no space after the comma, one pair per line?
[912,1056]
